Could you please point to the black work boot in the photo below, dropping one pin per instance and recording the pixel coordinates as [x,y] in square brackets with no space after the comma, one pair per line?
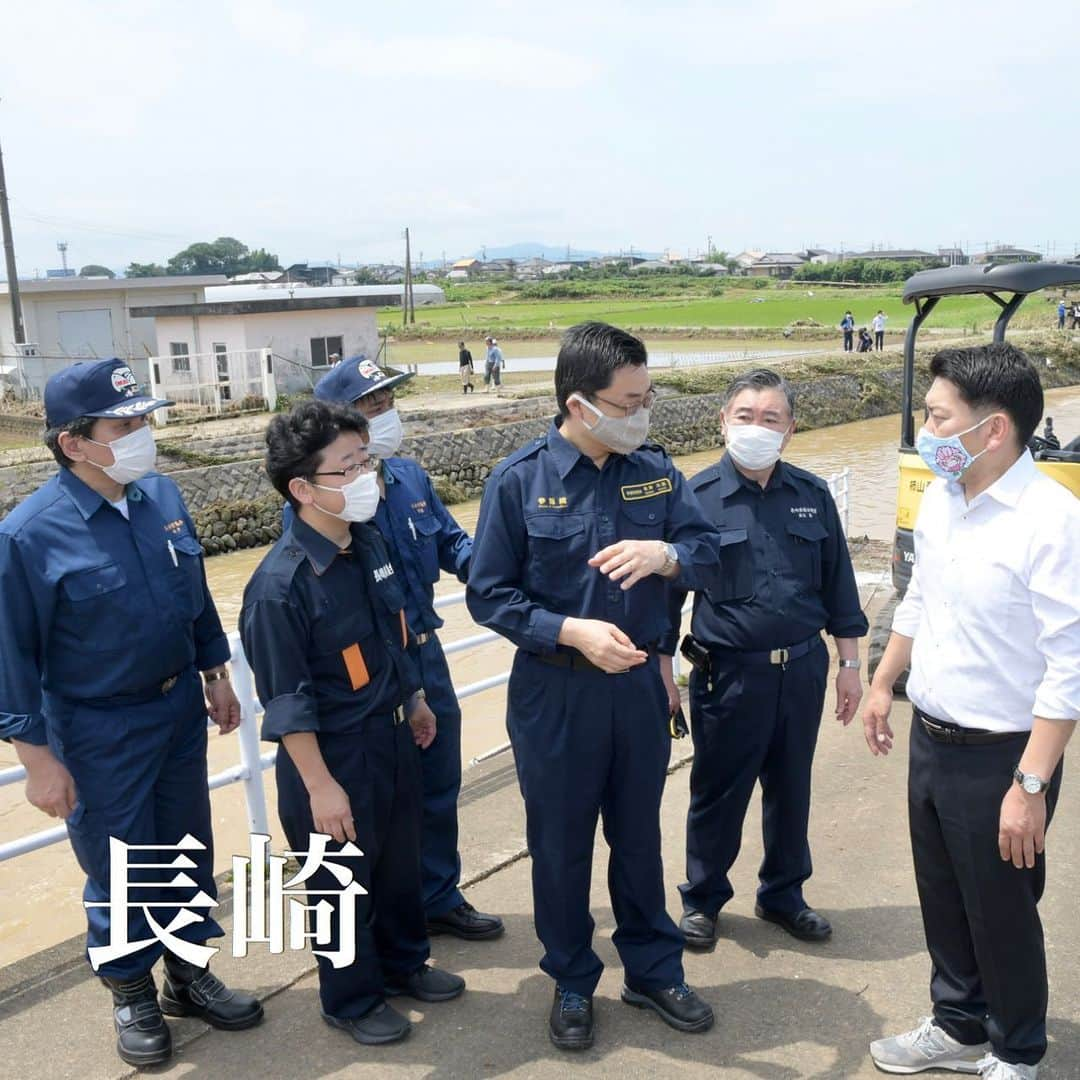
[193,991]
[142,1036]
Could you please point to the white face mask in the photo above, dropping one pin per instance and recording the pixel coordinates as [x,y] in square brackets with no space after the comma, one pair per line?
[133,454]
[623,434]
[361,498]
[753,447]
[385,434]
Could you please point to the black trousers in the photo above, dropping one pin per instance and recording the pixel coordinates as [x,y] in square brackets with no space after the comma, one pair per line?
[879,339]
[756,723]
[849,339]
[379,768]
[980,915]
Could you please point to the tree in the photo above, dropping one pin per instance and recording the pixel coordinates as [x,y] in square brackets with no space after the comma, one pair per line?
[225,255]
[94,270]
[145,270]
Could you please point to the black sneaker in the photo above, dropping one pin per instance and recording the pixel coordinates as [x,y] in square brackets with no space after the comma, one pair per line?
[677,1005]
[467,923]
[698,930]
[142,1036]
[384,1024]
[427,984]
[193,991]
[571,1021]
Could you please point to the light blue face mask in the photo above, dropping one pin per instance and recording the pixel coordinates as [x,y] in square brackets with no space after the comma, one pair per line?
[947,456]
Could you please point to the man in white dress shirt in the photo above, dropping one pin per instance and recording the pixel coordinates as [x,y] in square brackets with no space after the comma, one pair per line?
[991,628]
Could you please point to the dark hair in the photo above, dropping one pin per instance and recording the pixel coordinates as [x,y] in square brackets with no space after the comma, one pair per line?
[995,377]
[589,355]
[296,440]
[760,379]
[81,426]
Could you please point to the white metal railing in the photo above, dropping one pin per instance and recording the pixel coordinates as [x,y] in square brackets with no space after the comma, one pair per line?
[254,761]
[212,383]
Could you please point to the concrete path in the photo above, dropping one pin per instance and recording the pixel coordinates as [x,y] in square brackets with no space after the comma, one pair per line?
[785,1010]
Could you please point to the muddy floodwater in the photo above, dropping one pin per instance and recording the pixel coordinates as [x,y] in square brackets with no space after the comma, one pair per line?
[42,891]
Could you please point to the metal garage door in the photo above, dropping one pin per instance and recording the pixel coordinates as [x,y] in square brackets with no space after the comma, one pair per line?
[86,333]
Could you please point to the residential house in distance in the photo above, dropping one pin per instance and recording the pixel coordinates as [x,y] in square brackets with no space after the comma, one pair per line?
[775,264]
[464,270]
[745,259]
[1006,253]
[952,256]
[925,258]
[497,268]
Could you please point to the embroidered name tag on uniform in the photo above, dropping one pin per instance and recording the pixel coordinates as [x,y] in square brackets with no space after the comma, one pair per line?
[174,526]
[551,502]
[649,490]
[804,512]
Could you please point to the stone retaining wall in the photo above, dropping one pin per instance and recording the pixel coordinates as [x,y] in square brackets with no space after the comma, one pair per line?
[30,426]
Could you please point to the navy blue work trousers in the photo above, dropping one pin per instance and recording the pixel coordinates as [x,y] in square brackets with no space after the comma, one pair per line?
[140,776]
[591,745]
[750,722]
[379,768]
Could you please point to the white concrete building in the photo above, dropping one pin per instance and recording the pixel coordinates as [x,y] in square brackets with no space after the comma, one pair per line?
[81,318]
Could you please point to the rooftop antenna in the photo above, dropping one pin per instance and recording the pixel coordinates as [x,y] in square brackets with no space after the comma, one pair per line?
[62,247]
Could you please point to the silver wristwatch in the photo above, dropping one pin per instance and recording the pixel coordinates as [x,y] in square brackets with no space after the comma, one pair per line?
[671,558]
[856,664]
[1032,784]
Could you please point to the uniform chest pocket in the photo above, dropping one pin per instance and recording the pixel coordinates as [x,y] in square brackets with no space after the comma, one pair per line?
[338,627]
[425,534]
[804,550]
[644,520]
[736,582]
[188,571]
[556,540]
[92,584]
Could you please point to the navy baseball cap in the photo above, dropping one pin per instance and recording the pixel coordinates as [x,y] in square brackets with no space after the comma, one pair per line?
[98,388]
[353,378]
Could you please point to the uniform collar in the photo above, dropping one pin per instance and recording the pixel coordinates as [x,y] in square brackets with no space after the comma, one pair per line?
[87,501]
[730,479]
[320,551]
[565,453]
[389,476]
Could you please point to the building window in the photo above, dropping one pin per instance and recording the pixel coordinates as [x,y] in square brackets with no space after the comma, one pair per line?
[178,350]
[322,348]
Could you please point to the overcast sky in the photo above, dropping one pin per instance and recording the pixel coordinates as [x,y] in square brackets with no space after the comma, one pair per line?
[131,129]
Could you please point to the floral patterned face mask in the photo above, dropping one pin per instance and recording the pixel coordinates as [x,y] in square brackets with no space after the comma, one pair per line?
[947,456]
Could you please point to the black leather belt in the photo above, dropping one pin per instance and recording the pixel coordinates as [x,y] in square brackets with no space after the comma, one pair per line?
[781,657]
[944,732]
[571,659]
[136,697]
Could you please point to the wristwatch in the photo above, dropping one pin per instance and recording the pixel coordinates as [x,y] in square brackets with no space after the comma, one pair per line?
[671,558]
[213,676]
[1032,784]
[856,664]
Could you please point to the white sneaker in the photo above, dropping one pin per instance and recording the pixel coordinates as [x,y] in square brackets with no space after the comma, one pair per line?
[929,1047]
[993,1068]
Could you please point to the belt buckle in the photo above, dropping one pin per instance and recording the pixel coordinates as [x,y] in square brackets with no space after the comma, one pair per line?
[168,684]
[399,715]
[423,639]
[779,656]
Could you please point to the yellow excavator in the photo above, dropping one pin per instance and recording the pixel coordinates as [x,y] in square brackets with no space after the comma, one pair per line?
[1008,286]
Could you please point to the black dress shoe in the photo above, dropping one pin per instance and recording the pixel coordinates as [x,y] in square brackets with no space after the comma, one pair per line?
[698,929]
[193,991]
[571,1022]
[384,1024]
[427,984]
[677,1005]
[806,925]
[142,1036]
[467,923]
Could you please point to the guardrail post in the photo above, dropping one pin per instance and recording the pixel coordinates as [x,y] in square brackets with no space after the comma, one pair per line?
[248,734]
[269,382]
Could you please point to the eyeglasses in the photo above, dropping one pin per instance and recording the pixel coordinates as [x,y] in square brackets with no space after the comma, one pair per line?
[368,464]
[629,410]
[377,399]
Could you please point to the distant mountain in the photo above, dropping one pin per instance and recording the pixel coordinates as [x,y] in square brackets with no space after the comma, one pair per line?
[536,251]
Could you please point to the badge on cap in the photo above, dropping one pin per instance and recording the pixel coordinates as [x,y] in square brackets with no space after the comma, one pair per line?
[124,381]
[370,370]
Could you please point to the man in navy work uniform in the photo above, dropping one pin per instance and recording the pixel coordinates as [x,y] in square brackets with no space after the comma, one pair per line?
[105,625]
[423,538]
[756,700]
[324,630]
[577,532]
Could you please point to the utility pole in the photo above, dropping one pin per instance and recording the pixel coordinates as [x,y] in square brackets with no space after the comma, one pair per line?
[62,247]
[408,314]
[9,261]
